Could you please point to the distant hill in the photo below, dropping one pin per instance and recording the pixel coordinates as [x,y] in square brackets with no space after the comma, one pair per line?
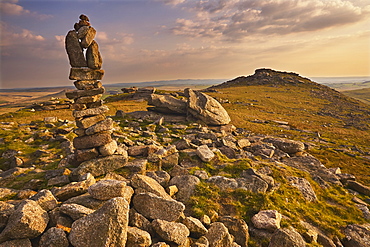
[266,77]
[362,94]
[337,105]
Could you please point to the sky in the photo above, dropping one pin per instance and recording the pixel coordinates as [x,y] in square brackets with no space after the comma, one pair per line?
[148,40]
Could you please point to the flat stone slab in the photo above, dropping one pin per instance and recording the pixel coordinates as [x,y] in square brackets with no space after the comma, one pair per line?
[91,141]
[90,112]
[82,93]
[86,74]
[101,166]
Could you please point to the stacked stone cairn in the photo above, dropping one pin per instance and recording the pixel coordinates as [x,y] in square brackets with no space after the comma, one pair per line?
[94,129]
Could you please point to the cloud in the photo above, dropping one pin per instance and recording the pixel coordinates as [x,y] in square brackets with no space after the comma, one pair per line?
[171,2]
[12,36]
[120,38]
[10,7]
[239,19]
[25,44]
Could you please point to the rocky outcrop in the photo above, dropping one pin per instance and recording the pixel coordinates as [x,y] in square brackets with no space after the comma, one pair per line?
[167,104]
[196,105]
[206,108]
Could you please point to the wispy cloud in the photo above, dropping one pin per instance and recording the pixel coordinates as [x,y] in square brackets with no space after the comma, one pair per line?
[171,2]
[12,37]
[23,43]
[239,19]
[11,7]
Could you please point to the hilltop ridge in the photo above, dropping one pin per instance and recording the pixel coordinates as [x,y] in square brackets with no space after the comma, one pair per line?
[337,105]
[265,76]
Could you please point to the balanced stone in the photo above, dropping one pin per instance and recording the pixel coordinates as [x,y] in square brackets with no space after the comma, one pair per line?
[82,31]
[86,92]
[93,57]
[89,121]
[90,112]
[108,149]
[85,74]
[91,141]
[87,85]
[88,99]
[101,126]
[74,50]
[95,104]
[86,154]
[89,37]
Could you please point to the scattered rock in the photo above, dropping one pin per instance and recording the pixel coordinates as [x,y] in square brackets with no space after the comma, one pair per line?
[286,145]
[223,183]
[45,199]
[54,237]
[238,228]
[107,226]
[218,235]
[154,207]
[186,185]
[357,236]
[204,153]
[267,219]
[253,184]
[171,231]
[358,187]
[162,177]
[138,238]
[304,187]
[6,209]
[139,221]
[29,220]
[75,211]
[137,166]
[195,227]
[6,193]
[73,189]
[108,149]
[150,185]
[287,238]
[108,189]
[17,243]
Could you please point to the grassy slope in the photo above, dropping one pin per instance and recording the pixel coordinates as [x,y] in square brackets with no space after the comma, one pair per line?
[307,115]
[361,94]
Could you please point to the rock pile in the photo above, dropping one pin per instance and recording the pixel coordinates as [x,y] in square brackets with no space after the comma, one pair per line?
[150,200]
[94,129]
